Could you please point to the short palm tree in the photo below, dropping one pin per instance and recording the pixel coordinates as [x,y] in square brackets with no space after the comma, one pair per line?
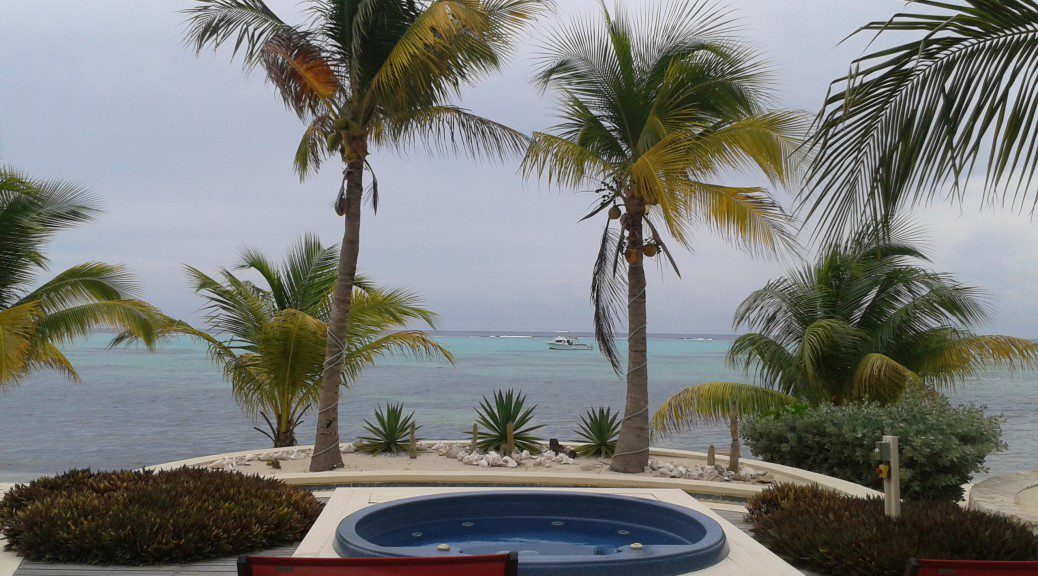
[363,74]
[270,339]
[652,109]
[913,120]
[866,322]
[34,322]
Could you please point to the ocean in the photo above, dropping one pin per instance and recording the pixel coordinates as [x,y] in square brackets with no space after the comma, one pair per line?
[135,407]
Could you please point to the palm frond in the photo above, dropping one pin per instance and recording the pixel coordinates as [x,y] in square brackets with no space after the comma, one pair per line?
[17,335]
[450,130]
[84,283]
[299,69]
[449,43]
[248,23]
[707,402]
[910,120]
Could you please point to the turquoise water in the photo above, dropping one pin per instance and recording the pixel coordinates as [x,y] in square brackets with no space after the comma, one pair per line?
[136,407]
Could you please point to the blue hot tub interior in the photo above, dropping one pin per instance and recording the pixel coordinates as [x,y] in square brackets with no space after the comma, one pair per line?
[554,533]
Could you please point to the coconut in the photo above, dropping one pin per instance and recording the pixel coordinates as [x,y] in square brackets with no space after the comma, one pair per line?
[615,213]
[650,250]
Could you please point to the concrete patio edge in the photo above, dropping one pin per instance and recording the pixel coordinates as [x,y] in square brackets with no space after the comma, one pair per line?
[495,477]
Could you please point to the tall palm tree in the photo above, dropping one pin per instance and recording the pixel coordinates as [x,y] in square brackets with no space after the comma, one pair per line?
[34,322]
[270,339]
[864,323]
[364,74]
[652,108]
[914,120]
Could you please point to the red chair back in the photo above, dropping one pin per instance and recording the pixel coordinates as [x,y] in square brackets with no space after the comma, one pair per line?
[497,565]
[970,568]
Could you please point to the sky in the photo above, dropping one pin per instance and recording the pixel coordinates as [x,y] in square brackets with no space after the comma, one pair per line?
[192,161]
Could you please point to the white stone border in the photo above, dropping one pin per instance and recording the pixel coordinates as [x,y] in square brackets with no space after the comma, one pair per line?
[746,556]
[580,480]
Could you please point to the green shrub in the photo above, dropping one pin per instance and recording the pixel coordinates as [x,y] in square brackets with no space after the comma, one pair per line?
[390,433]
[941,446]
[136,518]
[842,535]
[493,419]
[598,432]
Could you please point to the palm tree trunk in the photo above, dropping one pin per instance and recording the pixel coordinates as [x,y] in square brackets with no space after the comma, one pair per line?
[326,454]
[285,438]
[632,448]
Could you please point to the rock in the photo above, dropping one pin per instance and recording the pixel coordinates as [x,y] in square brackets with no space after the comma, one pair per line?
[483,463]
[509,462]
[563,459]
[218,465]
[647,470]
[251,457]
[654,465]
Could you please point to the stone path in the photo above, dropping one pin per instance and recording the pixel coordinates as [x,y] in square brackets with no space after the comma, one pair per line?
[1010,494]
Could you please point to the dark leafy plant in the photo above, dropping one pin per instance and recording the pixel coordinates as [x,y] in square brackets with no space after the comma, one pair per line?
[598,432]
[389,433]
[942,446]
[835,534]
[494,417]
[135,518]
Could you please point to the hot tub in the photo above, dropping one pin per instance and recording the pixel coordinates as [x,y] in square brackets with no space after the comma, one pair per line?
[555,533]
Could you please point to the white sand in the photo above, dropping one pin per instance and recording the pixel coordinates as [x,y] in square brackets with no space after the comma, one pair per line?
[1028,500]
[433,462]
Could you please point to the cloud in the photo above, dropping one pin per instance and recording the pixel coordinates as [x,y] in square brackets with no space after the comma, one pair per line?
[194,161]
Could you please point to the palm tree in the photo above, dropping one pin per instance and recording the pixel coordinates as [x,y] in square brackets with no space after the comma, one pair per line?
[908,121]
[364,74]
[652,108]
[270,339]
[34,322]
[865,322]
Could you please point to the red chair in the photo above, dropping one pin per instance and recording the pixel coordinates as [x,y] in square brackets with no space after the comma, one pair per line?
[918,567]
[498,565]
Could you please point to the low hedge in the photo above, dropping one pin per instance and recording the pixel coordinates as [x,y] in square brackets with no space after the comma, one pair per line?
[137,518]
[942,446]
[842,535]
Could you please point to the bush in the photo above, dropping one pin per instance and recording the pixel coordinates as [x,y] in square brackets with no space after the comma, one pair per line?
[493,419]
[842,535]
[390,434]
[137,518]
[941,446]
[598,432]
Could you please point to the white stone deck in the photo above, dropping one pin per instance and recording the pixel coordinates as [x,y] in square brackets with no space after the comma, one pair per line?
[746,557]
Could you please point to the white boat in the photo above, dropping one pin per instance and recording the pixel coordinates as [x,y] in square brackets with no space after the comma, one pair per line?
[568,343]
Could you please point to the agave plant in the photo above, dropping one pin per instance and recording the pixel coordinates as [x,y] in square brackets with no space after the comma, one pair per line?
[598,432]
[389,433]
[494,417]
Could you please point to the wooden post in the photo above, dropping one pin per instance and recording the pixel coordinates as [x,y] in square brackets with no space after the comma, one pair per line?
[711,456]
[475,439]
[733,427]
[892,485]
[510,439]
[412,444]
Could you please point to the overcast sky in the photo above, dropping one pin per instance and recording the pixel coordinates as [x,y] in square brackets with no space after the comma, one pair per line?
[193,161]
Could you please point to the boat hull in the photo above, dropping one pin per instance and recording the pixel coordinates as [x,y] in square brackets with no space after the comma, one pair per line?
[554,346]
